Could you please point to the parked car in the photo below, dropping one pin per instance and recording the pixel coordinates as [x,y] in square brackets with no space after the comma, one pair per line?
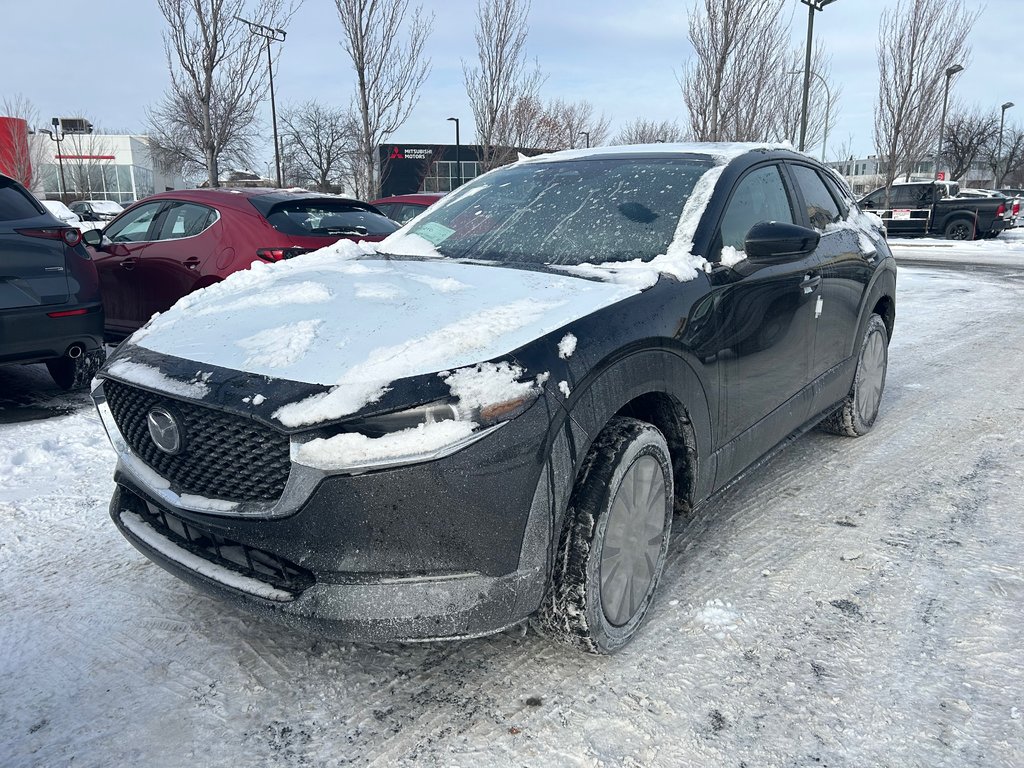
[96,210]
[403,208]
[62,212]
[1017,195]
[50,308]
[495,416]
[933,208]
[174,243]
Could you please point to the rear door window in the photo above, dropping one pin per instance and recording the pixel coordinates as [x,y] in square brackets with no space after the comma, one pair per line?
[16,203]
[185,220]
[822,209]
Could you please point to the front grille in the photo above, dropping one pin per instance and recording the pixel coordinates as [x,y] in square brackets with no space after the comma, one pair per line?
[241,558]
[223,456]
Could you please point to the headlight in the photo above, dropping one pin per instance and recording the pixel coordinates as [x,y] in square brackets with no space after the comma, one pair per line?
[424,433]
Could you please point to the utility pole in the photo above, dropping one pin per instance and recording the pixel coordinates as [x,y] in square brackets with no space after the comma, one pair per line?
[458,152]
[271,35]
[942,121]
[999,149]
[57,134]
[586,135]
[812,6]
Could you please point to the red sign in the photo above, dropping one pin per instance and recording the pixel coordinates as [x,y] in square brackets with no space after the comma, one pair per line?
[396,154]
[941,176]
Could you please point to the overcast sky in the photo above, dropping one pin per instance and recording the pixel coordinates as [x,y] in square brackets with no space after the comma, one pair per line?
[104,59]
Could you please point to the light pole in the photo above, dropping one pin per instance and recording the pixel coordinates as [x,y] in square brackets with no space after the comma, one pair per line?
[942,122]
[812,6]
[999,149]
[58,135]
[271,35]
[828,109]
[586,135]
[458,152]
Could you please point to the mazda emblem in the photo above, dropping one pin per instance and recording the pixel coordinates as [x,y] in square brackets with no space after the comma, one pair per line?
[164,430]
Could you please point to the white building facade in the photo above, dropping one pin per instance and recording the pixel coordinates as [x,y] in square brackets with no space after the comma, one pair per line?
[98,166]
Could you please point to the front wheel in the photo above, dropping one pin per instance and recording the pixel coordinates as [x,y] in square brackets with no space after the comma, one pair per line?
[859,409]
[613,548]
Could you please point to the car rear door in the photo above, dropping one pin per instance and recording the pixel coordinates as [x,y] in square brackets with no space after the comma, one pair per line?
[765,321]
[33,272]
[117,261]
[185,236]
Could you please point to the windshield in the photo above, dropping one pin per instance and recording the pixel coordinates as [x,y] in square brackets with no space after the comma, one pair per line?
[565,213]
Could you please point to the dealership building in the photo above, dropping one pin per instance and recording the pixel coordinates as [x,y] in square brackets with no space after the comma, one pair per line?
[409,168]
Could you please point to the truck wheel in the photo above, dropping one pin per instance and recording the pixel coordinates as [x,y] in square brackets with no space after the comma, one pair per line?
[959,229]
[613,548]
[75,373]
[859,409]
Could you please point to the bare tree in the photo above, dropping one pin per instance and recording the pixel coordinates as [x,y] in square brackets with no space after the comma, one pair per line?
[319,143]
[501,78]
[27,157]
[218,81]
[642,131]
[573,124]
[787,89]
[741,50]
[918,40]
[389,72]
[1006,161]
[969,132]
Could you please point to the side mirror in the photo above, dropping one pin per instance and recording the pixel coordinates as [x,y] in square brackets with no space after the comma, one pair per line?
[93,237]
[775,241]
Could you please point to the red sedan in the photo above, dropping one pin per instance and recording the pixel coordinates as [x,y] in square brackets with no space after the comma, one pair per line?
[174,243]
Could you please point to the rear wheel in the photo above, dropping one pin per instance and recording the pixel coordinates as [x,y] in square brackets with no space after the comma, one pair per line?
[74,373]
[615,540]
[960,229]
[859,410]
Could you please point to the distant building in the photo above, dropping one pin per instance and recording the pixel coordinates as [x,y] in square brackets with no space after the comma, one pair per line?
[99,166]
[868,173]
[409,168]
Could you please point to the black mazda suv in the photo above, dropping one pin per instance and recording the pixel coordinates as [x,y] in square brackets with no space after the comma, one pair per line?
[493,415]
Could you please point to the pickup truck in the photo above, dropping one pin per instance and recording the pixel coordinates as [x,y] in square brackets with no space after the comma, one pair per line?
[932,208]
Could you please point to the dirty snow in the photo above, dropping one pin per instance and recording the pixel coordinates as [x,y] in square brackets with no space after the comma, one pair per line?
[909,654]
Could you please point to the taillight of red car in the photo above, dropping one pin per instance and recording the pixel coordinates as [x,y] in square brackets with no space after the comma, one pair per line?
[70,235]
[279,254]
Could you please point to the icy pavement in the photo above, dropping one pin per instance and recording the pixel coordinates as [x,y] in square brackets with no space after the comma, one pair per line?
[852,603]
[1005,251]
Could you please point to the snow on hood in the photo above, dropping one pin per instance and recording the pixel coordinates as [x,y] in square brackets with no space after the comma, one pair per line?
[358,325]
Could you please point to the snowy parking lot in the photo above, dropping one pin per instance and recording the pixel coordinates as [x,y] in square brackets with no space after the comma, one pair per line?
[850,603]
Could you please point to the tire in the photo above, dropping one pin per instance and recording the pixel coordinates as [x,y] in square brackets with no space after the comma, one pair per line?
[859,409]
[599,593]
[960,229]
[76,373]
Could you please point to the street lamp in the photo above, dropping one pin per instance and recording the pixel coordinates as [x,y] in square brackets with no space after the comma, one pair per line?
[828,109]
[458,151]
[942,122]
[999,150]
[58,135]
[271,35]
[812,6]
[586,135]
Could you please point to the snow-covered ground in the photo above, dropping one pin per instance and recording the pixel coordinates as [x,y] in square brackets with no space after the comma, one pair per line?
[851,603]
[1006,250]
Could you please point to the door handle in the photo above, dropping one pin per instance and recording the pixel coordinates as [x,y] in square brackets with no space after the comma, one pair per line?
[811,282]
[192,262]
[129,263]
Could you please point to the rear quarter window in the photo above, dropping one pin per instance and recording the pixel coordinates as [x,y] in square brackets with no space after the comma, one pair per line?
[16,203]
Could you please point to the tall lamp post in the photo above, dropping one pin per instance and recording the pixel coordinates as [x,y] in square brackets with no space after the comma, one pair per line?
[999,149]
[271,35]
[586,135]
[58,136]
[458,152]
[828,109]
[812,6]
[942,121]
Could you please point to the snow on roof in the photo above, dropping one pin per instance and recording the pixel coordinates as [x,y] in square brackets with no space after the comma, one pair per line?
[722,152]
